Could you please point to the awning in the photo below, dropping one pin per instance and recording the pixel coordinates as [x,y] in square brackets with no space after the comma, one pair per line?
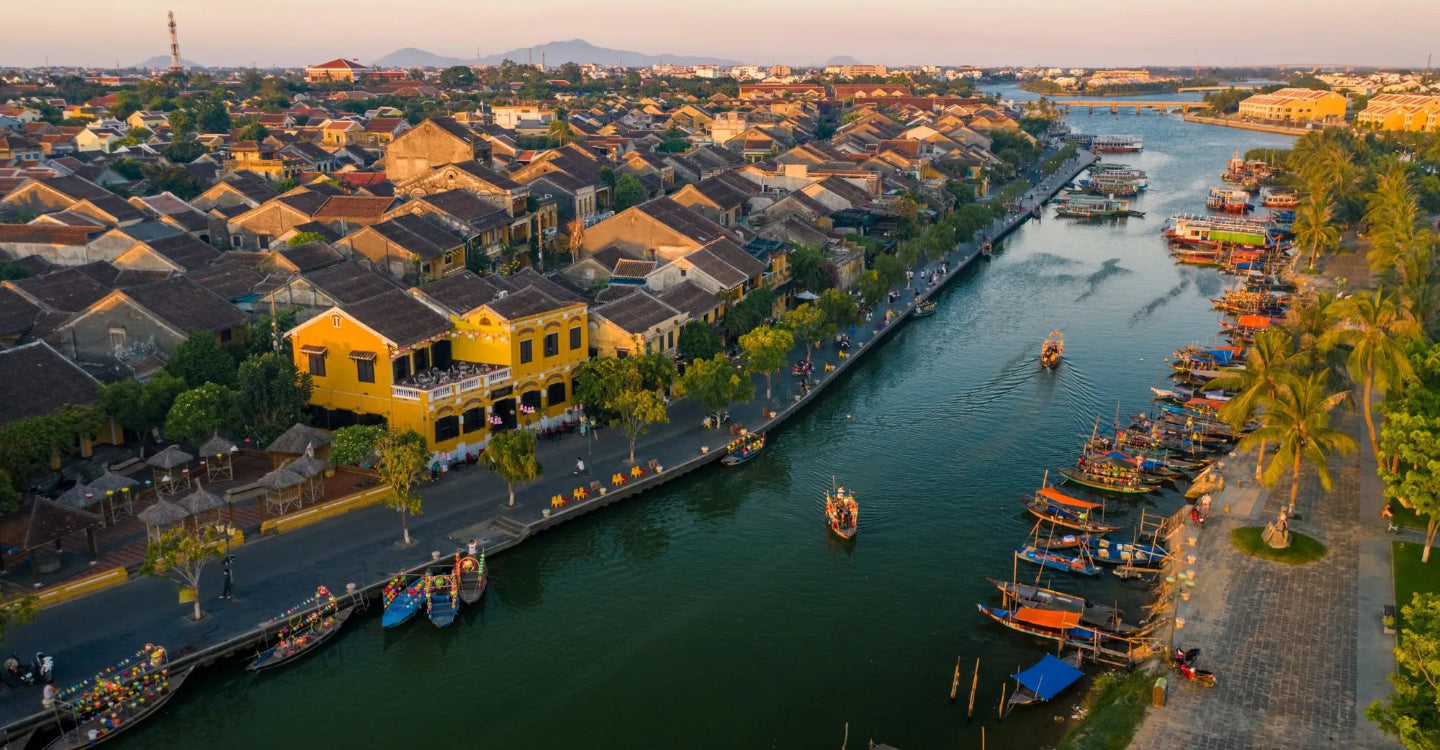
[807,296]
[362,356]
[1254,321]
[1048,677]
[311,349]
[1053,619]
[1055,496]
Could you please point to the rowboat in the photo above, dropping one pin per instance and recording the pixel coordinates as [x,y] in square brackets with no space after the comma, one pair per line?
[842,512]
[1045,680]
[1125,553]
[1051,350]
[1101,617]
[1056,561]
[140,698]
[1053,624]
[403,601]
[442,594]
[925,309]
[1050,504]
[743,449]
[473,577]
[305,632]
[1110,475]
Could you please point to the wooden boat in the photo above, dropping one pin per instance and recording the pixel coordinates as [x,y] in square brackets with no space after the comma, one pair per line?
[319,618]
[1125,553]
[842,512]
[1110,475]
[1095,615]
[925,309]
[403,601]
[120,705]
[1050,504]
[1229,200]
[1045,680]
[1096,208]
[743,449]
[442,595]
[1051,350]
[1280,200]
[1055,625]
[473,577]
[1056,561]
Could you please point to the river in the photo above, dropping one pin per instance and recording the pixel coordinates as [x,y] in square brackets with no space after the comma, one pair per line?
[717,612]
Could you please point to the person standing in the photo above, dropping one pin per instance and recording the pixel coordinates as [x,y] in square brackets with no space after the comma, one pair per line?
[227,592]
[580,465]
[909,277]
[1205,504]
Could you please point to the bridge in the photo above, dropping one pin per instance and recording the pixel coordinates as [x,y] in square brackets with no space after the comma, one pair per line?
[1237,87]
[1116,107]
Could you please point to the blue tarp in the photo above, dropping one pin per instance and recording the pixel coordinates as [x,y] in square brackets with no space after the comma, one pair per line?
[1048,677]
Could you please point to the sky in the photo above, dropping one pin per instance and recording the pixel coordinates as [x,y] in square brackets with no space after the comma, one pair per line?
[1066,33]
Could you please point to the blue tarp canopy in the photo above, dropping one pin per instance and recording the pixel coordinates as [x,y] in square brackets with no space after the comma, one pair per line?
[1048,677]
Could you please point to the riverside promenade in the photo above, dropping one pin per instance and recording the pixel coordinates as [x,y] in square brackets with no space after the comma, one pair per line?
[361,547]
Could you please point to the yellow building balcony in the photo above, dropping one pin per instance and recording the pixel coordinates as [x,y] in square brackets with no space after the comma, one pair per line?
[434,386]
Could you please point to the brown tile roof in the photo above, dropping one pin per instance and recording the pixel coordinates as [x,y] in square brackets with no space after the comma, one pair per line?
[48,234]
[366,208]
[683,220]
[464,291]
[530,277]
[229,281]
[633,269]
[307,202]
[736,257]
[425,239]
[711,265]
[311,256]
[17,314]
[76,188]
[67,290]
[185,251]
[340,63]
[349,282]
[462,205]
[690,298]
[186,305]
[398,317]
[480,171]
[636,313]
[614,292]
[527,301]
[35,380]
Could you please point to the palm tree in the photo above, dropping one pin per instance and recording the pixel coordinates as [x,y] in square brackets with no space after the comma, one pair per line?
[561,132]
[1308,322]
[576,229]
[1391,212]
[1270,358]
[1312,227]
[1419,277]
[1297,419]
[1377,329]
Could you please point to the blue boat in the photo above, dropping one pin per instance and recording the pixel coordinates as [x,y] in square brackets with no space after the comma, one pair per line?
[1124,553]
[402,602]
[1056,561]
[1045,680]
[441,602]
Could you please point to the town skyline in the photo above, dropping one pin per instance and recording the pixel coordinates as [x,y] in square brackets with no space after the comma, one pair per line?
[912,32]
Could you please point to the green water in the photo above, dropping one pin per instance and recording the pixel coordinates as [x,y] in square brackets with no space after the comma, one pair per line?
[718,613]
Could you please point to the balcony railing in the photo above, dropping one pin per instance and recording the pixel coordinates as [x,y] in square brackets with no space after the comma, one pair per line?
[463,378]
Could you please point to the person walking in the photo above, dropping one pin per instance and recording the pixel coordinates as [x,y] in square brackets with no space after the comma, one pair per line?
[228,590]
[580,466]
[909,277]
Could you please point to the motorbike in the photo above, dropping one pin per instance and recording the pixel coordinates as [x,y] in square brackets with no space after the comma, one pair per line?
[40,670]
[714,420]
[1184,662]
[1197,516]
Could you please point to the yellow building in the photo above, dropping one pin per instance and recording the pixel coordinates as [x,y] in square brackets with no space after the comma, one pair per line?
[449,360]
[1413,112]
[1295,105]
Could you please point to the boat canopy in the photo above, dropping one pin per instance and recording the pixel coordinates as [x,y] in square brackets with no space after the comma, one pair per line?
[1056,496]
[1048,677]
[1254,321]
[1205,403]
[1052,619]
[1221,354]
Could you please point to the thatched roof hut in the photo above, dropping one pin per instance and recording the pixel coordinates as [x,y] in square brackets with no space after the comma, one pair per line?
[112,482]
[298,439]
[307,466]
[217,446]
[162,514]
[170,458]
[201,501]
[76,497]
[281,479]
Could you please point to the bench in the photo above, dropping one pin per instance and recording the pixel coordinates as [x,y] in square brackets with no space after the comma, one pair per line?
[1387,618]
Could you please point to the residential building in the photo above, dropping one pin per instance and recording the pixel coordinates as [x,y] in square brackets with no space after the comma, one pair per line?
[433,143]
[1295,105]
[337,70]
[35,380]
[1413,112]
[410,247]
[637,323]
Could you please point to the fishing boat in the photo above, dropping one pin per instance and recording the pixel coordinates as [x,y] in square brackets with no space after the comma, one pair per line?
[442,599]
[1051,350]
[925,309]
[473,577]
[1116,144]
[1110,475]
[1054,624]
[1095,208]
[1102,617]
[1280,199]
[743,449]
[402,601]
[1229,200]
[1049,504]
[842,512]
[111,705]
[1125,553]
[1045,680]
[316,620]
[1057,561]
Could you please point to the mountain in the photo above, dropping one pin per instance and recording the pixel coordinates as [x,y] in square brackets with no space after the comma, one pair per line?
[581,51]
[411,57]
[842,60]
[162,62]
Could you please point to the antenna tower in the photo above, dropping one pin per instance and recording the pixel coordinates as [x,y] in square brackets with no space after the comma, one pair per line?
[174,46]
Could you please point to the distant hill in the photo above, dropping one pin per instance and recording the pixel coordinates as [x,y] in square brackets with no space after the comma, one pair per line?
[162,62]
[411,57]
[842,60]
[581,51]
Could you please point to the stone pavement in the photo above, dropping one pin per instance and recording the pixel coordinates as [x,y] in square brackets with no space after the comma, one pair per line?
[1283,641]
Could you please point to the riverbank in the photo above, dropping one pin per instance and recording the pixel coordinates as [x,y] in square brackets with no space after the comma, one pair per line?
[360,546]
[1242,125]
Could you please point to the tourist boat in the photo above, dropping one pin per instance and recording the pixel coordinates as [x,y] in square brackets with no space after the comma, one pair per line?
[1110,187]
[925,309]
[117,702]
[1220,231]
[1125,553]
[1050,504]
[308,625]
[1252,302]
[1229,200]
[1245,327]
[1279,199]
[1051,350]
[1110,475]
[1044,680]
[1116,144]
[402,601]
[1056,561]
[743,449]
[442,595]
[1095,208]
[473,577]
[842,512]
[1102,617]
[1105,166]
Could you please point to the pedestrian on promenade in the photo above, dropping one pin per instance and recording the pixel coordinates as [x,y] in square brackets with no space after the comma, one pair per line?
[909,277]
[1389,517]
[471,547]
[580,466]
[228,590]
[1205,504]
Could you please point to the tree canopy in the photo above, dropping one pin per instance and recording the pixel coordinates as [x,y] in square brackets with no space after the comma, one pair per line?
[511,454]
[765,350]
[698,340]
[716,383]
[1410,712]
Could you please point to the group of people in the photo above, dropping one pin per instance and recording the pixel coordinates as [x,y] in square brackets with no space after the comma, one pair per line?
[842,510]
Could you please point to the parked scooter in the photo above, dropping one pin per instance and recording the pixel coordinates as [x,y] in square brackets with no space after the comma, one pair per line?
[1184,662]
[716,420]
[1197,516]
[40,670]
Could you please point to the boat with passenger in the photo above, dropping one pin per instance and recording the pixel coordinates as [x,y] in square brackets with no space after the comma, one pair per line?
[842,512]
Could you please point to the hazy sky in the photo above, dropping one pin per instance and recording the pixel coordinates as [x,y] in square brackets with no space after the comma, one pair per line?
[892,32]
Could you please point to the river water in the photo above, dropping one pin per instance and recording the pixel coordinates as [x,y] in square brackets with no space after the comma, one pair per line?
[718,613]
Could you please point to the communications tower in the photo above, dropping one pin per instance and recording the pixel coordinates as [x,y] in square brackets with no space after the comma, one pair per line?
[174,46]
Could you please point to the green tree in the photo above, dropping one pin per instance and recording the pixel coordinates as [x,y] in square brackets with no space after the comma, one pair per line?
[807,324]
[1377,329]
[212,116]
[765,351]
[267,334]
[1410,712]
[457,76]
[27,446]
[1410,443]
[170,178]
[184,151]
[199,360]
[1268,360]
[355,445]
[126,103]
[302,238]
[749,313]
[1392,213]
[1297,420]
[141,407]
[512,456]
[16,611]
[200,412]
[872,288]
[1313,231]
[807,269]
[628,192]
[890,269]
[253,132]
[840,309]
[182,555]
[561,133]
[715,383]
[270,394]
[698,340]
[182,124]
[402,462]
[635,411]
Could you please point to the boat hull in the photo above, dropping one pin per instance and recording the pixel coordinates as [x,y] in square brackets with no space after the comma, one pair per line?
[78,737]
[275,658]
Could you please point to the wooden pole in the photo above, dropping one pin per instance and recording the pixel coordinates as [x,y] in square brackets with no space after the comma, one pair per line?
[1001,708]
[974,685]
[955,682]
[845,741]
[982,738]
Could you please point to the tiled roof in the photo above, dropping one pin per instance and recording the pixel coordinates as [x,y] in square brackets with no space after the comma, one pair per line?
[349,282]
[340,63]
[685,221]
[736,257]
[636,313]
[711,265]
[17,314]
[464,291]
[461,204]
[527,301]
[354,207]
[185,251]
[423,238]
[35,380]
[228,281]
[690,298]
[633,269]
[186,305]
[67,290]
[398,317]
[311,255]
[48,234]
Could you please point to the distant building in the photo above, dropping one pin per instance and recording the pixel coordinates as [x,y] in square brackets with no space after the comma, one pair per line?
[853,71]
[1295,105]
[1412,112]
[338,69]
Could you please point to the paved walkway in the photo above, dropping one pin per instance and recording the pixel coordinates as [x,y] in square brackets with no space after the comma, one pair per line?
[1294,663]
